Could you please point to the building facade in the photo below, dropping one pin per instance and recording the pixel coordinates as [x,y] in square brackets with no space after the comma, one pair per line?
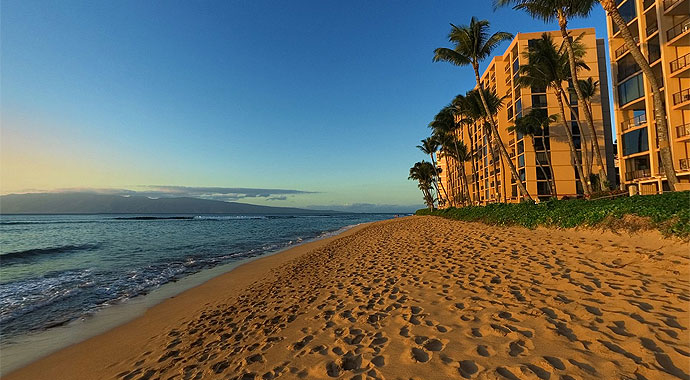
[489,179]
[662,30]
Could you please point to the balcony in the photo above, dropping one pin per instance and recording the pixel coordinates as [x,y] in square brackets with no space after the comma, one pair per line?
[651,29]
[684,163]
[680,64]
[634,122]
[681,97]
[623,49]
[677,30]
[683,130]
[635,174]
[625,71]
[675,7]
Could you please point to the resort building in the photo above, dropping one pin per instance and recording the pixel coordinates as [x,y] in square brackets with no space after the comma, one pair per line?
[662,30]
[489,179]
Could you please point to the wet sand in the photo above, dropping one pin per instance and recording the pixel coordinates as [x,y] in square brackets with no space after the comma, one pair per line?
[416,298]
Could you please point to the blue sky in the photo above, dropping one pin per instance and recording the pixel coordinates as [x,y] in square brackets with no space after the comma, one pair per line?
[325,97]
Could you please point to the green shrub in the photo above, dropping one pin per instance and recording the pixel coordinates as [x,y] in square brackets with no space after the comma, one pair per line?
[669,213]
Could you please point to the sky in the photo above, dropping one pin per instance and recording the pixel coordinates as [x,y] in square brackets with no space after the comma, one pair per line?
[282,103]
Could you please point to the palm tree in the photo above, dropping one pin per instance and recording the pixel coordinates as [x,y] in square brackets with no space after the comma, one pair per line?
[467,117]
[535,123]
[590,88]
[472,45]
[458,151]
[471,106]
[611,8]
[430,146]
[423,172]
[548,68]
[442,126]
[562,11]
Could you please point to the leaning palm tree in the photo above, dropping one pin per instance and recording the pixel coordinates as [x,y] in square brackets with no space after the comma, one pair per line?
[472,45]
[430,146]
[548,68]
[535,123]
[423,173]
[562,11]
[611,8]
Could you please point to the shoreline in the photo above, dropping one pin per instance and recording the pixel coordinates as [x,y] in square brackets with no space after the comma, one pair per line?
[415,298]
[34,347]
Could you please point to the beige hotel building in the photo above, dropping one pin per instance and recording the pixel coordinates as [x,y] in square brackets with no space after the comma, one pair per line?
[491,181]
[662,30]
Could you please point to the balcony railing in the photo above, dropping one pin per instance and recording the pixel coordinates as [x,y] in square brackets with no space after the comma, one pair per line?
[680,62]
[684,163]
[683,130]
[635,174]
[623,49]
[634,122]
[681,96]
[669,3]
[652,28]
[677,29]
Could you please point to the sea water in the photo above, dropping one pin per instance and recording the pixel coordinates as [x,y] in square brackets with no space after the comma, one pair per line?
[55,269]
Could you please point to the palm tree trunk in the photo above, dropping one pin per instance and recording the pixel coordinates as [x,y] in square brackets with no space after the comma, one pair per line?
[592,142]
[587,165]
[450,183]
[494,130]
[573,152]
[547,153]
[438,180]
[459,164]
[563,23]
[475,185]
[494,165]
[464,176]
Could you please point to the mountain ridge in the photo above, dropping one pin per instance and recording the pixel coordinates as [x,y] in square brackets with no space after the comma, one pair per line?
[92,203]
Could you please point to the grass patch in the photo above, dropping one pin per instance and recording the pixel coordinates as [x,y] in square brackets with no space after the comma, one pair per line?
[668,213]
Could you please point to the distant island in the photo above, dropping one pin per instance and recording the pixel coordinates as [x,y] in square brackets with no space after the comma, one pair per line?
[90,203]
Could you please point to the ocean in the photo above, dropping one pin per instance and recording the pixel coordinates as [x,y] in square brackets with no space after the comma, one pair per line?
[55,269]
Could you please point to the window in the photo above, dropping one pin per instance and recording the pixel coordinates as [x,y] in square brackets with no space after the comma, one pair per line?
[628,12]
[540,173]
[521,147]
[575,128]
[631,89]
[635,142]
[539,101]
[542,187]
[522,174]
[518,107]
[577,142]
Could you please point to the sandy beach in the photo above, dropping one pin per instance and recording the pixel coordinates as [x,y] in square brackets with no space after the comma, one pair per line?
[416,298]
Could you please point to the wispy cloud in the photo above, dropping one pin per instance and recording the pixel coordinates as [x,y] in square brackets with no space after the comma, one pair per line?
[214,193]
